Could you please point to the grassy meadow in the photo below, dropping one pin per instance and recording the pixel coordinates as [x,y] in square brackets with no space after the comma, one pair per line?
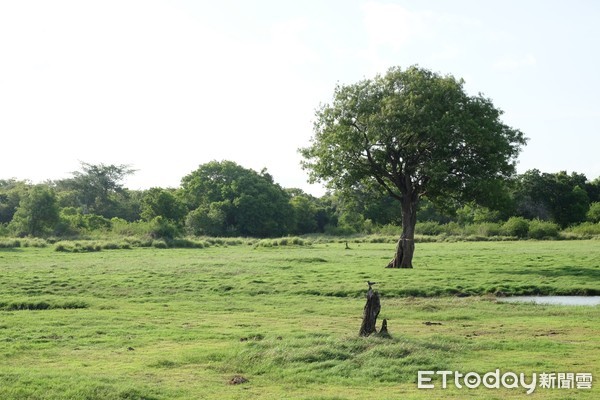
[148,323]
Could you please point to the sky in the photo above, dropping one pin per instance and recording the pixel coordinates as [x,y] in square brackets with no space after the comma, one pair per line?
[165,86]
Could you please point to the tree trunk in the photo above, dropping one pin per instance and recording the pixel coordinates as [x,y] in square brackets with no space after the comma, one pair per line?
[405,249]
[370,313]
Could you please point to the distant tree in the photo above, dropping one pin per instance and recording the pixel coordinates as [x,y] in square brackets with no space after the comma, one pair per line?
[414,133]
[428,211]
[531,195]
[370,202]
[37,213]
[97,188]
[593,190]
[128,205]
[473,213]
[251,203]
[559,197]
[11,191]
[326,213]
[162,202]
[305,208]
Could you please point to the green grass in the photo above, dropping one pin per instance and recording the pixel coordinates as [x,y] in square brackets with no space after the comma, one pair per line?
[151,323]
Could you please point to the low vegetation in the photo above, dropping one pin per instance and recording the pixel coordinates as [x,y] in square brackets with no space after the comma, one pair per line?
[153,323]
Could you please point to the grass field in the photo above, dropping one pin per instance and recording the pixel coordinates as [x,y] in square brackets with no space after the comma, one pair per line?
[180,323]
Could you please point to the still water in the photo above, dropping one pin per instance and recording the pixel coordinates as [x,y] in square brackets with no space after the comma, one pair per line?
[558,300]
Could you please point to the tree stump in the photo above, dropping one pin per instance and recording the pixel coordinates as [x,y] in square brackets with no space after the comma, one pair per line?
[383,332]
[370,313]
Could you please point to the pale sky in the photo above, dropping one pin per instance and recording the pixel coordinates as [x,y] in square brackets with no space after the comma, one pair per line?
[168,85]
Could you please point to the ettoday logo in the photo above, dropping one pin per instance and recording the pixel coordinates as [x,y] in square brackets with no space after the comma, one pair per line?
[509,380]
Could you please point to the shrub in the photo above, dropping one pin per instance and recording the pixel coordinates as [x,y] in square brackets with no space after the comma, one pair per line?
[543,229]
[516,226]
[163,228]
[96,222]
[587,229]
[593,214]
[452,228]
[160,244]
[392,230]
[430,228]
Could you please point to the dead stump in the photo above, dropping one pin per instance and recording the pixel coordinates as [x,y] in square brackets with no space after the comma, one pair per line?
[383,332]
[370,313]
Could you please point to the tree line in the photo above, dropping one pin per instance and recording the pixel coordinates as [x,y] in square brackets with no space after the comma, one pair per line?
[224,199]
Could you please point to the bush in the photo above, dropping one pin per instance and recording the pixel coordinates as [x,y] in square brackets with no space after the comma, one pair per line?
[391,230]
[587,229]
[593,214]
[96,222]
[430,228]
[452,229]
[543,229]
[163,228]
[160,244]
[516,226]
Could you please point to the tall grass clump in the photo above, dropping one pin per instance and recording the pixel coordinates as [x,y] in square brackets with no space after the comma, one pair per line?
[586,230]
[87,246]
[284,241]
[82,246]
[10,243]
[34,242]
[484,229]
[19,305]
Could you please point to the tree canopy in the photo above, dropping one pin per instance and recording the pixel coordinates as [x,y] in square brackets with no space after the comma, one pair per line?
[230,199]
[97,188]
[557,196]
[412,133]
[37,212]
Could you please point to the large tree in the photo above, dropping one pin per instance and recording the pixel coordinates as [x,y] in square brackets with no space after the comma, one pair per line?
[412,133]
[227,199]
